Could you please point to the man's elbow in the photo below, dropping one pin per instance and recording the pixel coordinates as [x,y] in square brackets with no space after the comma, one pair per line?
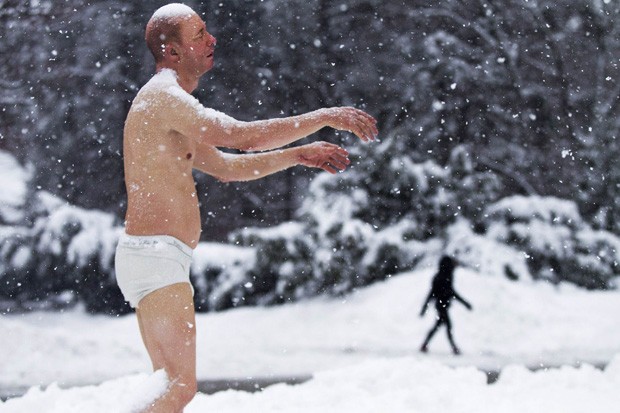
[231,177]
[246,147]
[224,179]
[248,139]
[238,135]
[239,176]
[254,144]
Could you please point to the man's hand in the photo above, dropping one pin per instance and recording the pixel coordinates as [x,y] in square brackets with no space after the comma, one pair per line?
[353,120]
[324,155]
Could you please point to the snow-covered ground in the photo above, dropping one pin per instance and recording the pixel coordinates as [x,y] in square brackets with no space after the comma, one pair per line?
[361,351]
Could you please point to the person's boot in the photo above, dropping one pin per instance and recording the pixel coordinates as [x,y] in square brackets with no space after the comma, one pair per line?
[456,351]
[424,348]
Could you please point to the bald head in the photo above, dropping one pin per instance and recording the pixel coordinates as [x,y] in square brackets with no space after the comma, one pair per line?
[164,27]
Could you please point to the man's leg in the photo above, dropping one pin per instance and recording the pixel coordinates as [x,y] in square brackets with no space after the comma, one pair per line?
[430,335]
[455,349]
[168,326]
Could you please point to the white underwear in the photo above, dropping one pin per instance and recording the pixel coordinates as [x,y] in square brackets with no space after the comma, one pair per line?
[147,263]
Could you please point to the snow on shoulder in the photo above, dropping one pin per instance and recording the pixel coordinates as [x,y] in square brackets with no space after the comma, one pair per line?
[173,10]
[166,80]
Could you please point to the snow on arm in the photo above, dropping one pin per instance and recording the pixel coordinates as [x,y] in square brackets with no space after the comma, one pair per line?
[183,113]
[214,128]
[191,111]
[164,98]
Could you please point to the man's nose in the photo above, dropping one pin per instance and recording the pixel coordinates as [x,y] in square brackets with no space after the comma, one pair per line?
[211,40]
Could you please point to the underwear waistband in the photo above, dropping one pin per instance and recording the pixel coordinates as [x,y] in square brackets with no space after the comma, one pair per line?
[152,240]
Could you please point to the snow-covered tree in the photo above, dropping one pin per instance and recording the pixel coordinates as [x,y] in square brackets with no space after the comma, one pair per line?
[477,102]
[558,243]
[66,256]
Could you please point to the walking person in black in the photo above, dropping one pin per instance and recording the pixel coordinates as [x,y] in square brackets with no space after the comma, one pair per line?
[443,292]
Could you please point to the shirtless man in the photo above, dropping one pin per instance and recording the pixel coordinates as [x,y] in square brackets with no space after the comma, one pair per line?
[168,133]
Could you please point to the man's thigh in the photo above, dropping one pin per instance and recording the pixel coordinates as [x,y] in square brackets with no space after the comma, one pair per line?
[168,327]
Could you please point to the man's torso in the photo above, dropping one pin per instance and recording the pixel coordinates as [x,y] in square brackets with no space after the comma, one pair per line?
[161,192]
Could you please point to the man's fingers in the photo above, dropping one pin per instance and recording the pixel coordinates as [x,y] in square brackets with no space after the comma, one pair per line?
[331,149]
[362,124]
[335,148]
[365,116]
[339,163]
[370,124]
[326,156]
[327,167]
[340,157]
[342,154]
[367,130]
[335,163]
[358,131]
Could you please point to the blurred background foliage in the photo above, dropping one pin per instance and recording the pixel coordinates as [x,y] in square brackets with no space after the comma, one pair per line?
[477,101]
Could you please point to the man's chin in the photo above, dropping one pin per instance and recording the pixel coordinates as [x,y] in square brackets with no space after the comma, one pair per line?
[208,66]
[204,70]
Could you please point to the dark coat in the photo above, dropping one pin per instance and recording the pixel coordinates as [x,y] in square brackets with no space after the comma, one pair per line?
[442,290]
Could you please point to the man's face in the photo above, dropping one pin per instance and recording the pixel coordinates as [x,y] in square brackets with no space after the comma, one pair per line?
[197,45]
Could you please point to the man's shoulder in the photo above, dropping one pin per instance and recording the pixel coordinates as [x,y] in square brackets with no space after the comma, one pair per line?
[157,96]
[169,93]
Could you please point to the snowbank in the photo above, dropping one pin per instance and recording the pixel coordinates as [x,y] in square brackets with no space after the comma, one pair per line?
[400,385]
[410,385]
[127,394]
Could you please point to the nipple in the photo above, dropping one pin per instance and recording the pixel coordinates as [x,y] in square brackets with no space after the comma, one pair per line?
[188,156]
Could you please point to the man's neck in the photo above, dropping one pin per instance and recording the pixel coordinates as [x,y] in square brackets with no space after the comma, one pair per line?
[187,82]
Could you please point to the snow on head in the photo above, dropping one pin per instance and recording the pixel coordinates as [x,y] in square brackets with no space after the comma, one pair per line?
[173,10]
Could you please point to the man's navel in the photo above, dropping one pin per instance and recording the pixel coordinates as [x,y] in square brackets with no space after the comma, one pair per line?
[188,156]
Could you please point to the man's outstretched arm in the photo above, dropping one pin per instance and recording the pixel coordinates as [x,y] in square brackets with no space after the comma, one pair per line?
[246,167]
[207,126]
[278,132]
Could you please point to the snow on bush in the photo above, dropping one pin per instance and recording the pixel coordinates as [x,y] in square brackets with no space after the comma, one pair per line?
[220,275]
[67,253]
[81,235]
[386,215]
[484,254]
[13,181]
[559,244]
[340,245]
[387,185]
[337,255]
[67,256]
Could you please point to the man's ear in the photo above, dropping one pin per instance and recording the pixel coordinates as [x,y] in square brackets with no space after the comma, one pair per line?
[172,52]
